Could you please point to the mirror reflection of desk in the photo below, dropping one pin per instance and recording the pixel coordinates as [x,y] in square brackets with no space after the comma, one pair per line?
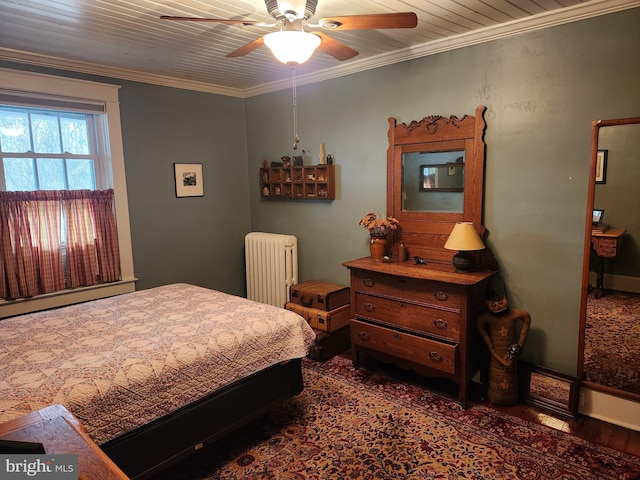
[605,244]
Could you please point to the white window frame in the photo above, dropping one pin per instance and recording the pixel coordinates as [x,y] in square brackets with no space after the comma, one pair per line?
[40,84]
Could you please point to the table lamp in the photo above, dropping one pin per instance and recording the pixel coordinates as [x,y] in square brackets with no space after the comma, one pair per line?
[465,239]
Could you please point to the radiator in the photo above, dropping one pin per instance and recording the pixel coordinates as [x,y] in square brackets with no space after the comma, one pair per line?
[272,266]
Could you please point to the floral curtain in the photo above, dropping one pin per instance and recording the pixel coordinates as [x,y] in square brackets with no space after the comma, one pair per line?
[56,239]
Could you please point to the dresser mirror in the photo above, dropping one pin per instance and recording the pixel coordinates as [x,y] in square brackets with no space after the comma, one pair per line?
[433,182]
[609,351]
[435,177]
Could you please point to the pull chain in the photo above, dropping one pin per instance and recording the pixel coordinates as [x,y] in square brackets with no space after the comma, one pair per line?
[296,138]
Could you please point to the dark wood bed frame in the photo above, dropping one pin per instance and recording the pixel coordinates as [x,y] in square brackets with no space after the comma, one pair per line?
[151,448]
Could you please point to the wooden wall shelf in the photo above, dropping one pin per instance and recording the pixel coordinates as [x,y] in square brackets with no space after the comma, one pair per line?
[313,182]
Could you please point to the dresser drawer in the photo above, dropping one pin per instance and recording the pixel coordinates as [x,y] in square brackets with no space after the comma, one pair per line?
[407,315]
[424,292]
[430,353]
[609,242]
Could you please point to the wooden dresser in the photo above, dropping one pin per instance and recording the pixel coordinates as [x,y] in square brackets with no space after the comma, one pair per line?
[419,317]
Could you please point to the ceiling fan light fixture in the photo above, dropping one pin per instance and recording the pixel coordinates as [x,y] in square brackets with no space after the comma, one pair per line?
[292,47]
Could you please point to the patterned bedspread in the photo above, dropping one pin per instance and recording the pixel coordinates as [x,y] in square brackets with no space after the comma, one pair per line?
[120,362]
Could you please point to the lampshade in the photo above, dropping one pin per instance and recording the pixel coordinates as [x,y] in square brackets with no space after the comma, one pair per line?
[464,238]
[291,47]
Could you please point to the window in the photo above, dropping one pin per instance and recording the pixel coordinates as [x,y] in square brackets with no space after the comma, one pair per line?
[45,149]
[58,133]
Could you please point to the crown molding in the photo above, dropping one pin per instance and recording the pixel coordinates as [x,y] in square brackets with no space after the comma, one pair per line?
[29,58]
[530,24]
[578,12]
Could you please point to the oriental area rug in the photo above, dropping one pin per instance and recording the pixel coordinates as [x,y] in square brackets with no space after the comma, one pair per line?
[362,424]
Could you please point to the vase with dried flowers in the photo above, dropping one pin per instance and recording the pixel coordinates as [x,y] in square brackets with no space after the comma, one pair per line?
[378,228]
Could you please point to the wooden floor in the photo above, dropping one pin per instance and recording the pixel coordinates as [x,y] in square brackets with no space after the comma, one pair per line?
[587,428]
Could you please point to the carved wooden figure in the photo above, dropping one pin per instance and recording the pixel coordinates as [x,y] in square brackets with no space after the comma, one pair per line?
[498,328]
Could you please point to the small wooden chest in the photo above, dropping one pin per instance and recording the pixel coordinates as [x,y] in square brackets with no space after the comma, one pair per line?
[326,321]
[320,295]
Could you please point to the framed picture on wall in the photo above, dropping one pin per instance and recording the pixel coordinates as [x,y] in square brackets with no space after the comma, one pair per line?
[188,178]
[601,166]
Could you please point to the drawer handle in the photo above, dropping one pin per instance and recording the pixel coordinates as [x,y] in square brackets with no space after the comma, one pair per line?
[435,357]
[369,307]
[368,282]
[306,302]
[441,295]
[441,324]
[364,336]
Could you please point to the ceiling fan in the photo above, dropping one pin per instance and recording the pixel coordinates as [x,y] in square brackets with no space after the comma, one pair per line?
[292,44]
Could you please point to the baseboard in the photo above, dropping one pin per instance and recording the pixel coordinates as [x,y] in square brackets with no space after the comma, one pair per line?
[621,283]
[609,408]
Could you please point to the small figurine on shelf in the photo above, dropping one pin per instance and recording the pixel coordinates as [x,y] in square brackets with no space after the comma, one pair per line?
[286,161]
[329,159]
[265,162]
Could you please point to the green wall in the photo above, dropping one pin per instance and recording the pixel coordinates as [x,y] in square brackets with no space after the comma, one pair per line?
[197,240]
[542,91]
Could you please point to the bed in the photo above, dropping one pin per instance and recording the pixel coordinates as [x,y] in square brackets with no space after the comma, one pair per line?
[155,374]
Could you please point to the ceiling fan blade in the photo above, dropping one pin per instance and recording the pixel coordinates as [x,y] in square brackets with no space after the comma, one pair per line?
[376,21]
[335,48]
[216,20]
[248,48]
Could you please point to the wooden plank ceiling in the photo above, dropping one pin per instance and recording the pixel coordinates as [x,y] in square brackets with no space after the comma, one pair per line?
[127,39]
